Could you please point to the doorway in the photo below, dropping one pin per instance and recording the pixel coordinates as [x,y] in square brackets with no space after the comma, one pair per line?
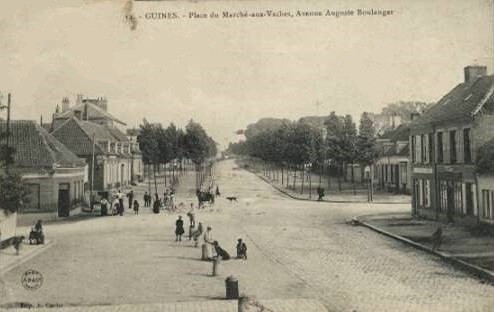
[63,199]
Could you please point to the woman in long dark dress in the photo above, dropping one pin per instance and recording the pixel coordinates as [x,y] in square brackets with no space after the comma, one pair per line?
[179,229]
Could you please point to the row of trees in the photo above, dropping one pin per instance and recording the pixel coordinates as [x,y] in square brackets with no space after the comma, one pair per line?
[161,146]
[302,146]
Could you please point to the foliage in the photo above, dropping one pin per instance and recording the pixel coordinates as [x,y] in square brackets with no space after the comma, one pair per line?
[160,146]
[366,141]
[148,142]
[263,125]
[198,146]
[485,158]
[13,193]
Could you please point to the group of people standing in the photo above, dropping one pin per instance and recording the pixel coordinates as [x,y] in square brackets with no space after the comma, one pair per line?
[118,203]
[207,236]
[167,201]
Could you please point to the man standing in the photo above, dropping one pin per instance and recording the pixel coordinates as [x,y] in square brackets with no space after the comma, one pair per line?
[146,199]
[208,242]
[130,196]
[120,202]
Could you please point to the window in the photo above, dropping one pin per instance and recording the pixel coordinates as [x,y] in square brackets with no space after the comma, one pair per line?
[469,198]
[487,203]
[458,198]
[467,152]
[424,195]
[413,148]
[429,147]
[440,157]
[452,147]
[422,148]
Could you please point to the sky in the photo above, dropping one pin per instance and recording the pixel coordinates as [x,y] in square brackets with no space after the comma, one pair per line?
[227,73]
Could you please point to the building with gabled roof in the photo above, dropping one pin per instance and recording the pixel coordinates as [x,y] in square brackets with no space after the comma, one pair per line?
[90,109]
[54,175]
[137,163]
[392,168]
[444,142]
[107,145]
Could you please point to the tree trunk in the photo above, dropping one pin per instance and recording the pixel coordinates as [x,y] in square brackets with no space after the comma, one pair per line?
[294,177]
[310,183]
[149,178]
[282,178]
[339,169]
[353,181]
[155,184]
[303,179]
[328,169]
[287,176]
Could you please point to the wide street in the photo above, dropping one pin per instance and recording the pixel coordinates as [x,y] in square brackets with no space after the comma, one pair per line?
[297,249]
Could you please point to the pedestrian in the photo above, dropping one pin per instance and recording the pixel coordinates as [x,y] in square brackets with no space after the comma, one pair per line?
[220,252]
[116,207]
[179,229]
[241,249]
[192,218]
[197,233]
[156,206]
[146,199]
[130,196]
[136,207]
[120,196]
[208,240]
[217,191]
[104,206]
[437,238]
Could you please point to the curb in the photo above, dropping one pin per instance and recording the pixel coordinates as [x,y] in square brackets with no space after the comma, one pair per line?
[475,270]
[326,200]
[26,258]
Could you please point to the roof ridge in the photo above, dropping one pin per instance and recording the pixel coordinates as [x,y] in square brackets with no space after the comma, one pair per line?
[484,100]
[88,135]
[46,145]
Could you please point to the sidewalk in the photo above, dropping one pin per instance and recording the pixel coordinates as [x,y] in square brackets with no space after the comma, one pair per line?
[276,305]
[9,259]
[340,197]
[460,246]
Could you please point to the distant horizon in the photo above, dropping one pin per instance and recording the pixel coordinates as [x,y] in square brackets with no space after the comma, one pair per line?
[228,73]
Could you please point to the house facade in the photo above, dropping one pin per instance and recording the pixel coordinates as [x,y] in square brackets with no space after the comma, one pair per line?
[106,150]
[443,147]
[54,176]
[137,165]
[392,168]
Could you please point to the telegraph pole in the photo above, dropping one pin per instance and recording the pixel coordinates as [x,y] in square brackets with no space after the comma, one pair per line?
[7,132]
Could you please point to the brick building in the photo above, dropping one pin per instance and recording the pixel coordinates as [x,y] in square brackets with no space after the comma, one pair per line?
[392,168]
[443,145]
[53,174]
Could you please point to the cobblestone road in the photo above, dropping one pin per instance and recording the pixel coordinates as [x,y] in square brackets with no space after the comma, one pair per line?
[296,250]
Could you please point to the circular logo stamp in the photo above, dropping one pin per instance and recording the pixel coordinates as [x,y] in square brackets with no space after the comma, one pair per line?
[32,279]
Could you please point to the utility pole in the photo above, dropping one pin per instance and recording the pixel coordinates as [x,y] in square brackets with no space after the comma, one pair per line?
[92,173]
[7,132]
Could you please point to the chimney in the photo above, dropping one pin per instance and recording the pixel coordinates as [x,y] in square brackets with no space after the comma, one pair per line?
[472,72]
[79,99]
[78,114]
[85,112]
[65,104]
